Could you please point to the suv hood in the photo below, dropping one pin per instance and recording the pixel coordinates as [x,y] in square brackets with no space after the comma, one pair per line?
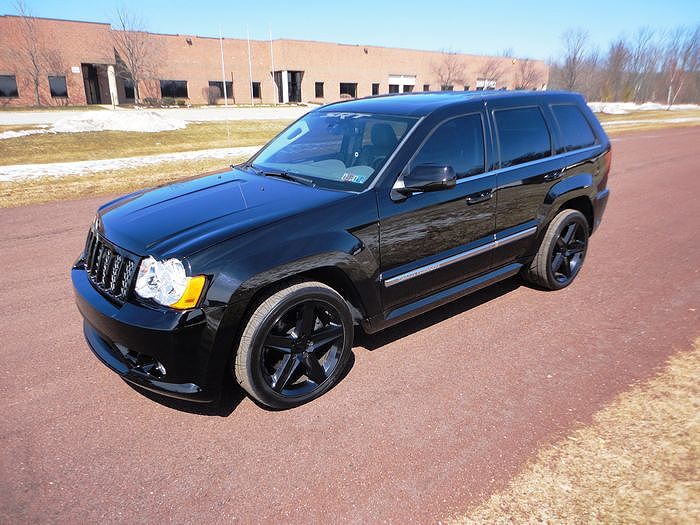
[184,217]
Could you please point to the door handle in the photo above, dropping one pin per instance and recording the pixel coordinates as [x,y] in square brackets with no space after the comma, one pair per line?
[482,196]
[553,175]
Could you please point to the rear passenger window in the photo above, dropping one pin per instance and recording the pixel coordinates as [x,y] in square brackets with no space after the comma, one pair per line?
[459,143]
[522,135]
[575,130]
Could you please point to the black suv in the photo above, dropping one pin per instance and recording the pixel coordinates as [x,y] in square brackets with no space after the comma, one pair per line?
[363,212]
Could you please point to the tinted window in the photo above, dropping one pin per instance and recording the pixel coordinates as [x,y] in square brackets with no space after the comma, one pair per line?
[318,89]
[173,88]
[458,143]
[58,88]
[576,133]
[375,89]
[256,89]
[522,135]
[348,89]
[218,84]
[8,86]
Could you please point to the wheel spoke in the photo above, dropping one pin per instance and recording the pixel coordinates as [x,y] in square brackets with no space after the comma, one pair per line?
[576,247]
[570,232]
[326,335]
[308,319]
[557,262]
[287,367]
[280,343]
[314,370]
[566,267]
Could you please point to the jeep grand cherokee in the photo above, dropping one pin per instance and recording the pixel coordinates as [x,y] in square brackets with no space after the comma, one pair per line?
[366,212]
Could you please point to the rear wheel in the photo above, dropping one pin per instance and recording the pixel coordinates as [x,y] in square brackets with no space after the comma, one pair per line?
[295,346]
[561,253]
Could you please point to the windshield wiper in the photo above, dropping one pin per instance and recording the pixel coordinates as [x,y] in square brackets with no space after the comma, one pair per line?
[284,174]
[290,176]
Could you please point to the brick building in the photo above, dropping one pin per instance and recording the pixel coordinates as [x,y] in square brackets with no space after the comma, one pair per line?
[78,65]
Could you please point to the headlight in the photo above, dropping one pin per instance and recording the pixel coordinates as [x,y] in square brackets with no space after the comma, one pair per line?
[167,283]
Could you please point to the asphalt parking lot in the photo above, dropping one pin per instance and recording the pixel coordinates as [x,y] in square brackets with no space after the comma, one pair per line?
[433,415]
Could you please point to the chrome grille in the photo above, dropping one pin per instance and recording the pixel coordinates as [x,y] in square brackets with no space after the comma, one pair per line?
[110,270]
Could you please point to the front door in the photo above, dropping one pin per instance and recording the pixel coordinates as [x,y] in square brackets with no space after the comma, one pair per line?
[431,240]
[92,84]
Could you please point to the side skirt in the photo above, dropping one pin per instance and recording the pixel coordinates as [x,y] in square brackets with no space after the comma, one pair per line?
[439,298]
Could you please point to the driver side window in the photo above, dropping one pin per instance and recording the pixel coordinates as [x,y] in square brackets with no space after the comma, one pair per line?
[459,143]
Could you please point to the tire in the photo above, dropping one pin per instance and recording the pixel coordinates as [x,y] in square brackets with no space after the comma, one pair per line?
[561,252]
[295,345]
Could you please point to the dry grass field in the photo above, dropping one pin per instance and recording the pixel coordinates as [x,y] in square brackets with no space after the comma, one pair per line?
[637,462]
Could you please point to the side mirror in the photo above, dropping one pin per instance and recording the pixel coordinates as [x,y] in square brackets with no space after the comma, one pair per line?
[427,177]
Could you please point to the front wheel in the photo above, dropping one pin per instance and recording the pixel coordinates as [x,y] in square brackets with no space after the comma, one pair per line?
[561,253]
[295,346]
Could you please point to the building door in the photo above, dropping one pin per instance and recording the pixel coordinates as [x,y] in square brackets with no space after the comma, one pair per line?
[294,79]
[92,84]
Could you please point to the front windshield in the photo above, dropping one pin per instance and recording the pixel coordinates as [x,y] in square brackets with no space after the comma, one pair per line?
[335,150]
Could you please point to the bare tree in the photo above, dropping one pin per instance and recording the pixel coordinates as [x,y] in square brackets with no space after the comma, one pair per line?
[575,44]
[492,69]
[527,75]
[136,53]
[681,60]
[615,79]
[30,49]
[449,70]
[643,64]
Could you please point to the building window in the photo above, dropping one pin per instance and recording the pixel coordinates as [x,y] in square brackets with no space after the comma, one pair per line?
[128,88]
[407,88]
[375,89]
[8,86]
[173,88]
[393,88]
[447,87]
[319,89]
[58,88]
[218,84]
[426,87]
[256,89]
[466,87]
[348,89]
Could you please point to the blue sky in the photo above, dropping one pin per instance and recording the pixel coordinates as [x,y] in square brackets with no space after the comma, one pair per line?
[530,27]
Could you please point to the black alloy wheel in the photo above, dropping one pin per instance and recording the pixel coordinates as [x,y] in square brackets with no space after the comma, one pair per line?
[568,252]
[561,253]
[295,346]
[302,348]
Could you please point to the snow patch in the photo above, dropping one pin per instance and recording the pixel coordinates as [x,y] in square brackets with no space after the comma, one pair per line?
[19,172]
[622,108]
[143,121]
[20,133]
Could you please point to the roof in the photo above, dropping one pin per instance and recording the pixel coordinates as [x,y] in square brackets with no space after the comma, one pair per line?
[424,103]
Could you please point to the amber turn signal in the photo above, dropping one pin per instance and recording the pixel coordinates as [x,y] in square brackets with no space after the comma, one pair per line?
[190,297]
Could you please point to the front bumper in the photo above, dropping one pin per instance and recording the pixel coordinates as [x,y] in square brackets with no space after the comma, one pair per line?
[166,351]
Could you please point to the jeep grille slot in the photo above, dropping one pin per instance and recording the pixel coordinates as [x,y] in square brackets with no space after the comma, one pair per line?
[110,270]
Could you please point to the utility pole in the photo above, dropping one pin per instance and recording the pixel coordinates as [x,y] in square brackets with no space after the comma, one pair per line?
[223,70]
[272,62]
[250,67]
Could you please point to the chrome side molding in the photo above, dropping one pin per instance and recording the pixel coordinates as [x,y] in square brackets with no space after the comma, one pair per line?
[496,243]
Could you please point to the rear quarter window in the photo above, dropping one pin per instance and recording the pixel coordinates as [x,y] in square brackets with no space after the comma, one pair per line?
[522,135]
[576,133]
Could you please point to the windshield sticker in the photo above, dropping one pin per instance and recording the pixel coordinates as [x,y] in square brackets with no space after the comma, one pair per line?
[352,177]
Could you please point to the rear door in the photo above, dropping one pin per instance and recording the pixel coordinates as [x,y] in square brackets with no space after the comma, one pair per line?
[528,167]
[433,239]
